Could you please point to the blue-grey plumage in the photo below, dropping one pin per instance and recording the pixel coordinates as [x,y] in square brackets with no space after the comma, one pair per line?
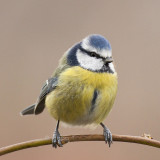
[82,89]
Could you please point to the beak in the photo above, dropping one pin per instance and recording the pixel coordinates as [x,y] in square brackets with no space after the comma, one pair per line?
[108,60]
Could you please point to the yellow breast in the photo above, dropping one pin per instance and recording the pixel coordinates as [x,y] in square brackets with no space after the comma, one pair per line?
[71,101]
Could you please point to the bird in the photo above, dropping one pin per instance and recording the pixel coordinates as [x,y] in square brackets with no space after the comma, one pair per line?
[82,89]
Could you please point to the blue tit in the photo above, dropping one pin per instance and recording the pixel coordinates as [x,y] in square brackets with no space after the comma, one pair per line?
[82,89]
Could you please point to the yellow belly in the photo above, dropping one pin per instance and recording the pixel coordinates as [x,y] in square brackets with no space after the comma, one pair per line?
[71,101]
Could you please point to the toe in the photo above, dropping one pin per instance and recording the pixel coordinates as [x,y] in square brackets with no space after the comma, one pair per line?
[54,143]
[108,136]
[56,140]
[59,141]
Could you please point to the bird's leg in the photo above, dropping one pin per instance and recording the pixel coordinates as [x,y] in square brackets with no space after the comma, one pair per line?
[56,140]
[107,134]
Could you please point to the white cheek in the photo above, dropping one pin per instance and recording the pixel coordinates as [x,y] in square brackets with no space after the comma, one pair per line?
[88,62]
[111,66]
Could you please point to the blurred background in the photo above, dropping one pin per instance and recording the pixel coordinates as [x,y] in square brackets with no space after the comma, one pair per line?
[34,34]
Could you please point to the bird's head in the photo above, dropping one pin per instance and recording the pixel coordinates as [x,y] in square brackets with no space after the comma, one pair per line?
[93,53]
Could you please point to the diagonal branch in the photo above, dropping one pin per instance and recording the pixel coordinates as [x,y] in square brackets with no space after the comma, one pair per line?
[77,138]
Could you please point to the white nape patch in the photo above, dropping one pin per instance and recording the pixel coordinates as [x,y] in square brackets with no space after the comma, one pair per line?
[103,53]
[88,62]
[111,66]
[87,46]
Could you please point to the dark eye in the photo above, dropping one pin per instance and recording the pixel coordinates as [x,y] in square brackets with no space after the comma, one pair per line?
[93,54]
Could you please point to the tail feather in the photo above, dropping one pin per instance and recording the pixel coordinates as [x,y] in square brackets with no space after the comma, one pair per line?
[28,110]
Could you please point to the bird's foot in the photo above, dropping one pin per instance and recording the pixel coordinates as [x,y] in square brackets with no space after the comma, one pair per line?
[56,139]
[107,134]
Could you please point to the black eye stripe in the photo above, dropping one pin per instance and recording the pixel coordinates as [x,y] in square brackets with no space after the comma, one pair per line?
[91,53]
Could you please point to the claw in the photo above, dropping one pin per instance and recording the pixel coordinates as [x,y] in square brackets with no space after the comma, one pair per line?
[107,135]
[56,138]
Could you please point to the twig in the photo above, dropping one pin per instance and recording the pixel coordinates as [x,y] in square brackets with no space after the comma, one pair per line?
[76,138]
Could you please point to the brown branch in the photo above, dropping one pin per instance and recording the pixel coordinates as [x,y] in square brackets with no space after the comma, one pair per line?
[76,138]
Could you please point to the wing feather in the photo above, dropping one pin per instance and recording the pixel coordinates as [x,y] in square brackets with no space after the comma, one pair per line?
[49,86]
